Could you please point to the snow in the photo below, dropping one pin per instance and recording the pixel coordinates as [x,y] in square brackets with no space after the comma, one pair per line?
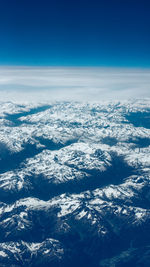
[81,130]
[111,192]
[81,214]
[3,254]
[139,215]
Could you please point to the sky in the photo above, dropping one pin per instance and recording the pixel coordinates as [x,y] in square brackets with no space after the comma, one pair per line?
[105,33]
[74,50]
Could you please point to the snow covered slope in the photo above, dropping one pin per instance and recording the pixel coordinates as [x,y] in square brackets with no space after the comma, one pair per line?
[74,184]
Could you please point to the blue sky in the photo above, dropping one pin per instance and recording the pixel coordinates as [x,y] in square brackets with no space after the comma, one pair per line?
[75,33]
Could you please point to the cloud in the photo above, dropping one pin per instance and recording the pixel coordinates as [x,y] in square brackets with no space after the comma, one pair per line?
[89,84]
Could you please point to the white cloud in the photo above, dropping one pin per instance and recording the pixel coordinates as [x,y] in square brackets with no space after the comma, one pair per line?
[47,83]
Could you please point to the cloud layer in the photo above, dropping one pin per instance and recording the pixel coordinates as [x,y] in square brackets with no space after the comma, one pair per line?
[25,84]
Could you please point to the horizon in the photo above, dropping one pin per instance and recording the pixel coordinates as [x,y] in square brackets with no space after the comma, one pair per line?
[73,83]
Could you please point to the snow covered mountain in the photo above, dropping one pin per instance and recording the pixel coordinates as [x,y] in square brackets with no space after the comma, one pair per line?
[74,184]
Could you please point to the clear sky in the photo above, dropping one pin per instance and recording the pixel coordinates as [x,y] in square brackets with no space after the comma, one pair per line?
[75,33]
